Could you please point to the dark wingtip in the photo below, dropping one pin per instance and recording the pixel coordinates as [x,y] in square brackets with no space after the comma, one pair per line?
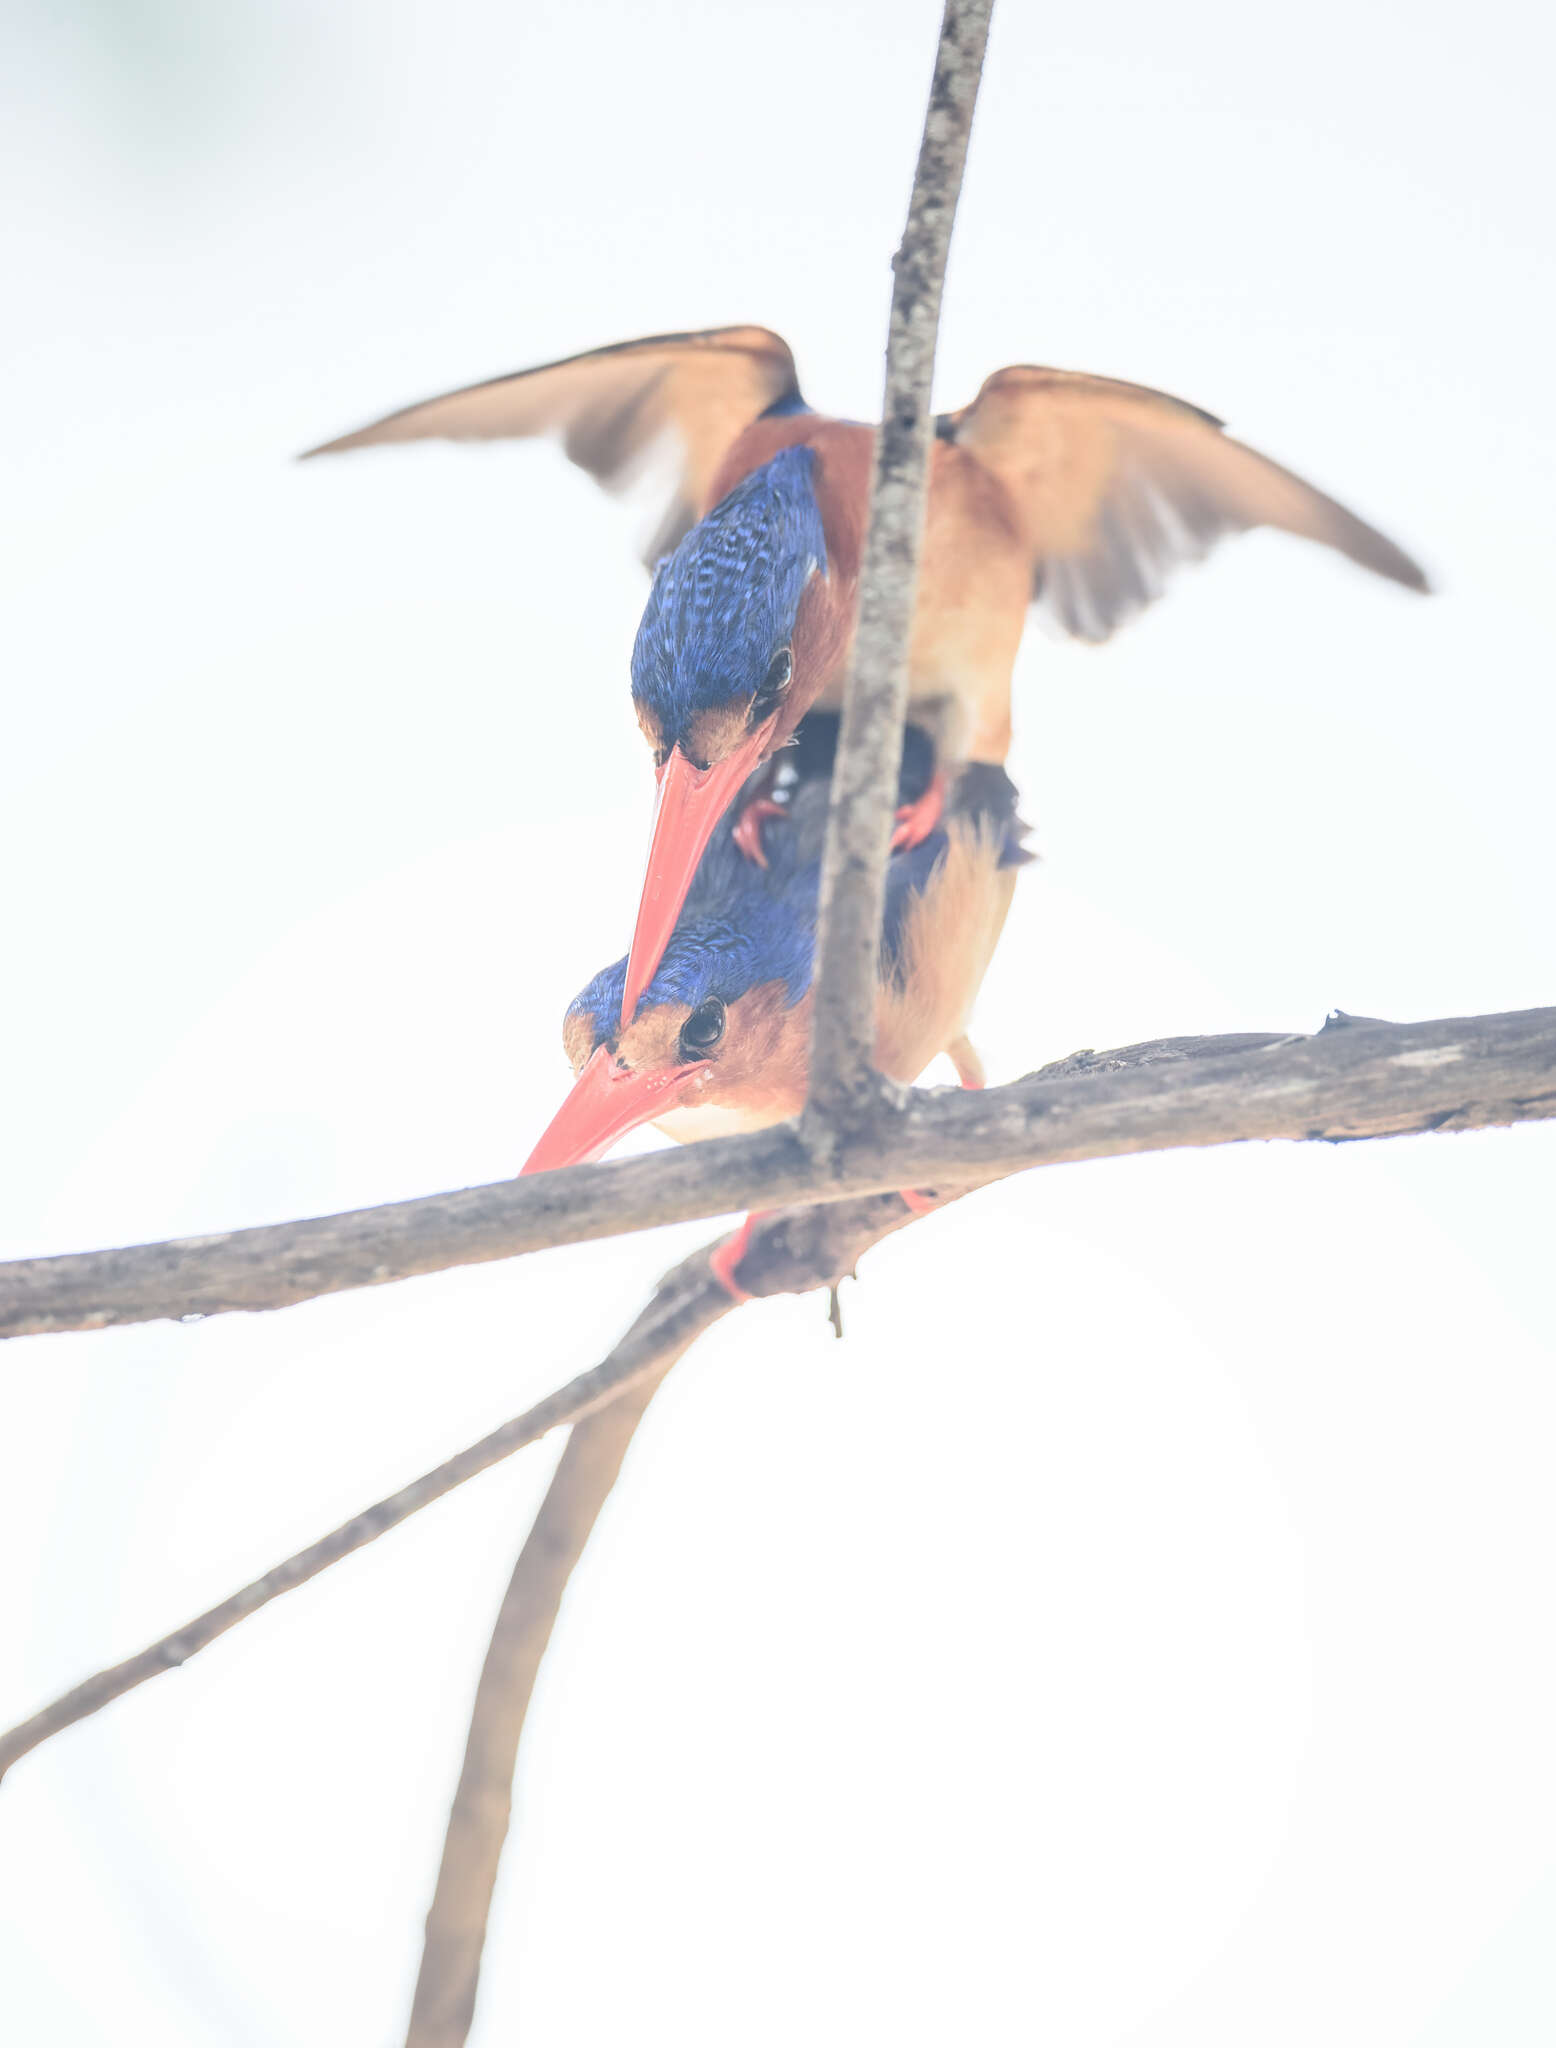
[1375,551]
[335,447]
[1400,569]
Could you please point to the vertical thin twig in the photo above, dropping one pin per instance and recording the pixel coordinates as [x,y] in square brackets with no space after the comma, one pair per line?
[864,781]
[444,2004]
[852,895]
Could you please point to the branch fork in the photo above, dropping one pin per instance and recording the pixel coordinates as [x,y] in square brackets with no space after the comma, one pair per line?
[860,1136]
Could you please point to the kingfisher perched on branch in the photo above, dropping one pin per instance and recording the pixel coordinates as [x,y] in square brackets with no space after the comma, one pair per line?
[719,1041]
[1074,494]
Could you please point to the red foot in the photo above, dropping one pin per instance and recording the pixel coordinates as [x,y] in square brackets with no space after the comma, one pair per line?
[729,1254]
[748,827]
[969,1068]
[915,822]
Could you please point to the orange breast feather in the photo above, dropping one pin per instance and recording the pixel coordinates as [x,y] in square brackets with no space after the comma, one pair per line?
[948,940]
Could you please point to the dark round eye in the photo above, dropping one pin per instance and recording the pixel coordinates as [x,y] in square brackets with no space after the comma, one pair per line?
[774,683]
[703,1029]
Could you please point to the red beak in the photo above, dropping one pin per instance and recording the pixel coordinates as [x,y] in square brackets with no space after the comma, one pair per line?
[691,802]
[606,1102]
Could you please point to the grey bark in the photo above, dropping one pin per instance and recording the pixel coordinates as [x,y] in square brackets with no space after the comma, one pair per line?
[1365,1080]
[843,1084]
[1372,1080]
[685,1303]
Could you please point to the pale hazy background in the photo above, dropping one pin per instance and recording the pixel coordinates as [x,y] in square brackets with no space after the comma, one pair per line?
[1140,1630]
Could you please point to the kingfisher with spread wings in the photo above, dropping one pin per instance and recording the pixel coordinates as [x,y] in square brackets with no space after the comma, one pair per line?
[1075,494]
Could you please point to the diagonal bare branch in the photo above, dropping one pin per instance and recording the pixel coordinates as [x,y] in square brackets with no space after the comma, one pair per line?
[1366,1080]
[684,1304]
[1372,1080]
[444,2004]
[790,1253]
[864,778]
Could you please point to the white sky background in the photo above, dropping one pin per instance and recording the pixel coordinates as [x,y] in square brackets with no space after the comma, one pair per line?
[1139,1630]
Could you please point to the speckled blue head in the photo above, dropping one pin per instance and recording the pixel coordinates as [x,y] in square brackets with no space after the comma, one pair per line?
[742,928]
[719,1037]
[746,927]
[724,604]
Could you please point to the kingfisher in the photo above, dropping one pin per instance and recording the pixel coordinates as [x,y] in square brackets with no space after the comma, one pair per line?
[719,1041]
[1074,494]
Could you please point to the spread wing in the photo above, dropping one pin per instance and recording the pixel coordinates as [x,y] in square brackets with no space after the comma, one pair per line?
[1118,484]
[613,408]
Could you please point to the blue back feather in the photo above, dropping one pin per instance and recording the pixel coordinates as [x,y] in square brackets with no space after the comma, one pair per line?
[786,407]
[724,603]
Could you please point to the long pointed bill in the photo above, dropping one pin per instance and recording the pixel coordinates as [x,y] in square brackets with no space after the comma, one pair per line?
[691,802]
[606,1102]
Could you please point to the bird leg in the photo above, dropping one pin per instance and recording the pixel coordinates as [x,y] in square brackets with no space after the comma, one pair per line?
[748,826]
[914,821]
[917,820]
[963,1055]
[961,1052]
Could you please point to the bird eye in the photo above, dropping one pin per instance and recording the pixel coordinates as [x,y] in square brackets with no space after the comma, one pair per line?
[703,1029]
[774,683]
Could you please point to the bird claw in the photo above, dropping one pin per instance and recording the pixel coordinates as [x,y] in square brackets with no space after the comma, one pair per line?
[916,821]
[748,827]
[723,1261]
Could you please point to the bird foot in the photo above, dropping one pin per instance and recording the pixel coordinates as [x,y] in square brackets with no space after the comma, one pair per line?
[963,1055]
[918,1201]
[916,821]
[748,827]
[727,1257]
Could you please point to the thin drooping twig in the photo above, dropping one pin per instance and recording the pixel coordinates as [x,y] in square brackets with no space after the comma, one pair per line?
[864,779]
[794,1248]
[1367,1080]
[790,1253]
[684,1304]
[444,2003]
[1373,1080]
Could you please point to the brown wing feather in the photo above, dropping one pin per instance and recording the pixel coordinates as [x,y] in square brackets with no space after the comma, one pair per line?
[612,407]
[1118,484]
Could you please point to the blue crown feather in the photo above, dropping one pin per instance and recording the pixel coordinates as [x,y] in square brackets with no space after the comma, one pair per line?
[724,603]
[741,926]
